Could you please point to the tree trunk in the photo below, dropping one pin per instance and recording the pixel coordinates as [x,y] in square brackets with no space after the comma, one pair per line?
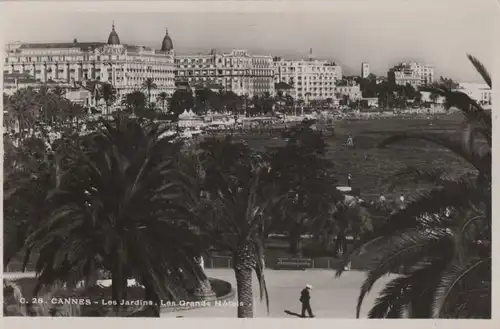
[244,263]
[57,161]
[294,239]
[203,289]
[150,310]
[117,286]
[294,244]
[244,290]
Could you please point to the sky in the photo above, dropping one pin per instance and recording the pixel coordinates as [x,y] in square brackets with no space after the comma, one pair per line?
[381,32]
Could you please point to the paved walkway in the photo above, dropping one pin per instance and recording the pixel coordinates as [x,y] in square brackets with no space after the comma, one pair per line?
[330,298]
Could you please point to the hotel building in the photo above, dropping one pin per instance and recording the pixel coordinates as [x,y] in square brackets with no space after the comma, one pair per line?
[311,79]
[411,73]
[365,70]
[238,71]
[125,66]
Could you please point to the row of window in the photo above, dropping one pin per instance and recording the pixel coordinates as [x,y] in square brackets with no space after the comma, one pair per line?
[160,69]
[222,72]
[40,59]
[317,88]
[211,66]
[300,95]
[316,83]
[226,61]
[308,70]
[311,77]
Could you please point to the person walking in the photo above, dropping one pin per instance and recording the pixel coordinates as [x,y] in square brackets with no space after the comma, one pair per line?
[349,177]
[305,299]
[350,141]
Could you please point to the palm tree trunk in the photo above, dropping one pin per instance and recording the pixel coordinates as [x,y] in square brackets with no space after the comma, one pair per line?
[203,289]
[294,237]
[294,242]
[118,285]
[115,289]
[244,262]
[154,310]
[57,161]
[244,290]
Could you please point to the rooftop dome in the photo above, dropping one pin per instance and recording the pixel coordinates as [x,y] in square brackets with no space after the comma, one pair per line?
[167,43]
[113,38]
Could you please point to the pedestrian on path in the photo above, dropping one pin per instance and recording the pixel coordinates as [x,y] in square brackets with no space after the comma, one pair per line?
[305,299]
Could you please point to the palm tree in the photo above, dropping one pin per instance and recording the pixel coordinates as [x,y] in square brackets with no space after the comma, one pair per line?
[241,214]
[59,91]
[108,93]
[49,101]
[237,202]
[443,237]
[120,207]
[306,182]
[9,119]
[163,98]
[180,101]
[149,84]
[74,112]
[28,176]
[24,106]
[134,101]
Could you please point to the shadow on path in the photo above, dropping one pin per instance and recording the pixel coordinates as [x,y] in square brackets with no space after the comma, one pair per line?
[293,313]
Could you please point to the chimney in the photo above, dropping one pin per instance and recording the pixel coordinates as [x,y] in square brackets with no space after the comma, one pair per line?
[310,54]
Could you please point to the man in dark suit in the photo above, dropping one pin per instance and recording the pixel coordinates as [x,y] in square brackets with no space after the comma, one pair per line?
[305,299]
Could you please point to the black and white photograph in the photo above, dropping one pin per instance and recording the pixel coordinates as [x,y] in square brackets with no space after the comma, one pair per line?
[260,159]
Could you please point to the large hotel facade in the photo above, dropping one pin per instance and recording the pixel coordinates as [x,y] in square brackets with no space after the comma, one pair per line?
[125,66]
[238,71]
[311,79]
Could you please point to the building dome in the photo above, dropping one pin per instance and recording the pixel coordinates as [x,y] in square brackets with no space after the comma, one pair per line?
[167,44]
[113,38]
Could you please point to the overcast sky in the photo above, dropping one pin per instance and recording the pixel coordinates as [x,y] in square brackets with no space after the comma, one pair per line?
[381,32]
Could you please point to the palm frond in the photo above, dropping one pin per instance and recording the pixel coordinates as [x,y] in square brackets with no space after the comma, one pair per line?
[459,195]
[457,147]
[480,69]
[404,249]
[389,299]
[259,271]
[457,281]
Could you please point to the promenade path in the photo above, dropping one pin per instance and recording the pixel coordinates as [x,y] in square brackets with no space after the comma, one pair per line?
[330,297]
